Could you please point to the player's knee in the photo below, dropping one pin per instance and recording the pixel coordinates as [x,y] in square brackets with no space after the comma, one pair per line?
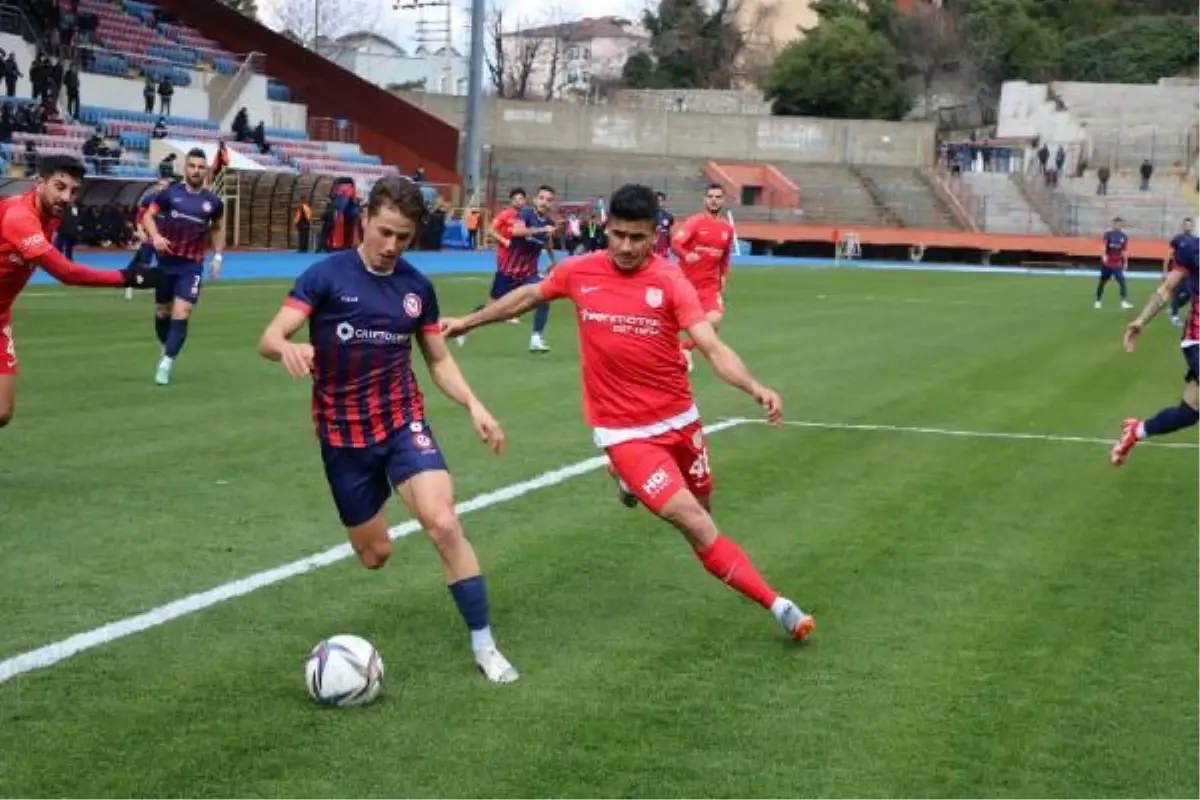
[162,312]
[375,553]
[685,512]
[446,532]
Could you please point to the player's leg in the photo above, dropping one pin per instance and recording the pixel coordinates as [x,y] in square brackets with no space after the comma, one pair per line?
[541,315]
[1106,275]
[713,305]
[8,372]
[1168,420]
[650,469]
[359,484]
[419,473]
[187,293]
[164,300]
[1178,301]
[1119,277]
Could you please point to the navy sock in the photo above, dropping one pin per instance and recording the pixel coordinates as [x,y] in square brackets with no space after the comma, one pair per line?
[539,318]
[176,337]
[162,326]
[1121,284]
[1170,420]
[470,595]
[1100,289]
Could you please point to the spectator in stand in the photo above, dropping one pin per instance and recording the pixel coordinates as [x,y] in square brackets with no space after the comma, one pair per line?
[1060,159]
[221,160]
[7,123]
[260,138]
[160,129]
[11,73]
[1147,169]
[71,82]
[1102,175]
[165,92]
[303,220]
[31,160]
[1043,155]
[68,233]
[241,125]
[418,175]
[54,85]
[148,94]
[166,167]
[39,71]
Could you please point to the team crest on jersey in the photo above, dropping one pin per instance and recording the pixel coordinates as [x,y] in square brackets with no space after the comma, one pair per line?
[654,297]
[424,442]
[412,305]
[416,427]
[207,207]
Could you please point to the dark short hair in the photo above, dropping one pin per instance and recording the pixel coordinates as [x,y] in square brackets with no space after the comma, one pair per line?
[546,188]
[633,202]
[517,190]
[1117,219]
[400,194]
[68,165]
[198,152]
[712,186]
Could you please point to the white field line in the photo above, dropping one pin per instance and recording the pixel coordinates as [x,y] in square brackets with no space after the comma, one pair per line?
[58,651]
[1036,437]
[279,285]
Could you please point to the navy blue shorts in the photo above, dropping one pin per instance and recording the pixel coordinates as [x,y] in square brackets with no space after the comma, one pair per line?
[1191,354]
[361,478]
[183,284]
[503,284]
[1112,273]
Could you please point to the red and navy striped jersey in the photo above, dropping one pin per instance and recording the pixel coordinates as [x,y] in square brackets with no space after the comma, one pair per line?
[662,233]
[185,219]
[361,326]
[1177,241]
[1187,261]
[1115,245]
[524,252]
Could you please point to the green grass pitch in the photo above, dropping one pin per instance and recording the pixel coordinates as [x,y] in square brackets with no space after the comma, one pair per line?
[996,616]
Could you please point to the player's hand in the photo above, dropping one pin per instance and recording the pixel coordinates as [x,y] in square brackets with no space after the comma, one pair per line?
[160,243]
[297,359]
[488,429]
[1132,331]
[214,268]
[139,276]
[453,327]
[771,403]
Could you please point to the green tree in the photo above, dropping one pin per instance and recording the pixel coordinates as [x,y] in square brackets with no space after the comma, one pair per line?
[841,69]
[1141,50]
[1007,42]
[247,7]
[692,46]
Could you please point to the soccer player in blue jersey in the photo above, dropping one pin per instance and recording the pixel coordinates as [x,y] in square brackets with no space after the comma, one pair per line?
[531,234]
[1187,413]
[182,222]
[365,308]
[1114,259]
[1182,295]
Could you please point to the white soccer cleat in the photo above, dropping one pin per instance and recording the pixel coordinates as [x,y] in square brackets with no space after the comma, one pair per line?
[1126,304]
[538,345]
[495,667]
[792,619]
[1098,304]
[460,340]
[163,375]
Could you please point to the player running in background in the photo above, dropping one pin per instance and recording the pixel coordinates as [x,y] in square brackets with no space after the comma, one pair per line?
[144,254]
[1113,261]
[500,232]
[663,226]
[704,245]
[27,225]
[1185,414]
[183,221]
[365,308]
[530,235]
[1181,292]
[632,307]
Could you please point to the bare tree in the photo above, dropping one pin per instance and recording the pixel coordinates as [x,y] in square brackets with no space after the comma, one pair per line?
[309,20]
[555,50]
[522,60]
[760,47]
[931,41]
[494,53]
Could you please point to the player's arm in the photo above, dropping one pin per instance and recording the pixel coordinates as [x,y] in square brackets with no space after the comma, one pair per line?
[513,304]
[495,232]
[24,231]
[275,344]
[550,252]
[680,244]
[730,368]
[523,226]
[151,224]
[452,383]
[217,234]
[1158,300]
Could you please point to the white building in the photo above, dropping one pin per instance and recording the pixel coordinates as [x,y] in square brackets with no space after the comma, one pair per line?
[570,59]
[381,61]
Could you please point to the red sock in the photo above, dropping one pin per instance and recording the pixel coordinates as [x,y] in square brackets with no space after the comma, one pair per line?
[727,562]
[688,344]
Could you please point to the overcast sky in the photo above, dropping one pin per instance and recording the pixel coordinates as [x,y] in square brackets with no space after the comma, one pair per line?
[400,25]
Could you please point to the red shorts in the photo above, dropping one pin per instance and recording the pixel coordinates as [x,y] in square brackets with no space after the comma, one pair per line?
[8,350]
[655,469]
[711,299]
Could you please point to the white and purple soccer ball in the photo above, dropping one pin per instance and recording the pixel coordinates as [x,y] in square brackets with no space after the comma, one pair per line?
[344,671]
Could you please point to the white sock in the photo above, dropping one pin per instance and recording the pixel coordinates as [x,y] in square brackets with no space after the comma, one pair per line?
[1141,431]
[780,606]
[167,361]
[482,640]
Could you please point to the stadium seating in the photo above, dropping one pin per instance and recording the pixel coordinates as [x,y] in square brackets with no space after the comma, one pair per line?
[1155,213]
[997,205]
[909,196]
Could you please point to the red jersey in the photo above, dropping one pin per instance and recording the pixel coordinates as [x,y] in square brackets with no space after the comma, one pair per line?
[635,382]
[710,238]
[503,226]
[25,235]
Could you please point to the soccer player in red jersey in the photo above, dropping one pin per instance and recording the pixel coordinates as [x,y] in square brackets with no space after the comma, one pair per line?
[704,245]
[27,225]
[367,310]
[631,308]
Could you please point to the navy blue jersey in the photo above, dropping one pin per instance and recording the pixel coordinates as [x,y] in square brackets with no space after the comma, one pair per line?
[1177,241]
[185,219]
[1115,245]
[524,252]
[361,326]
[1187,261]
